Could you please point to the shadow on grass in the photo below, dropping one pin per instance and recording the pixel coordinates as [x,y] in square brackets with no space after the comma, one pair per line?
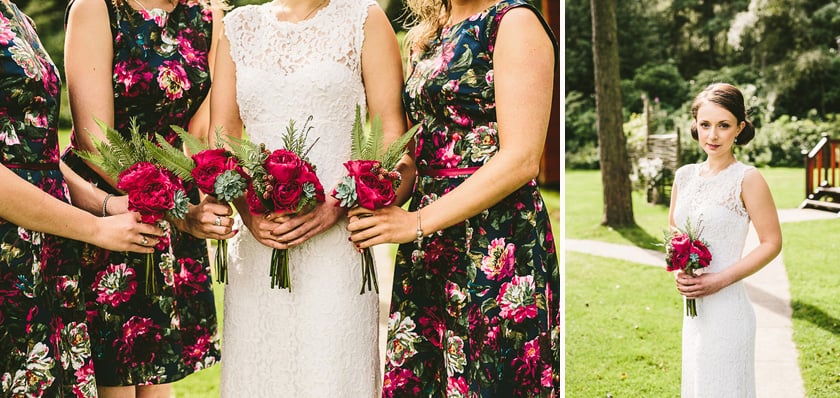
[815,315]
[640,237]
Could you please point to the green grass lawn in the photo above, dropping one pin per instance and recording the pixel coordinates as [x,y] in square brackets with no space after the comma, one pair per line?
[623,324]
[814,283]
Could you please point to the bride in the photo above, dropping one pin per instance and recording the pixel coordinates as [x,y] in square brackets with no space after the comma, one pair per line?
[720,197]
[281,61]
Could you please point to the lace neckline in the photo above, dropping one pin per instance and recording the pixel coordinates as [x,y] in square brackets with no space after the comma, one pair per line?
[699,170]
[269,13]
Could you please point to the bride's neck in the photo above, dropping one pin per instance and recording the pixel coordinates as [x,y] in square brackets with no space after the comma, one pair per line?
[717,164]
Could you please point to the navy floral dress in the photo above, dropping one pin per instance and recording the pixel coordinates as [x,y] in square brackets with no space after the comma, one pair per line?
[477,313]
[160,77]
[44,343]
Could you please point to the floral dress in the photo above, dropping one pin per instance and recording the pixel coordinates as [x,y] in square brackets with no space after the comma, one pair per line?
[44,343]
[160,77]
[476,312]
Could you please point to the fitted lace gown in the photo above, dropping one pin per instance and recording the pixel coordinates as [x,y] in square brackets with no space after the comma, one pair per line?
[320,339]
[718,345]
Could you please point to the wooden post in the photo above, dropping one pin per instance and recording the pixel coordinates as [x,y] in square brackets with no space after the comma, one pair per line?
[550,165]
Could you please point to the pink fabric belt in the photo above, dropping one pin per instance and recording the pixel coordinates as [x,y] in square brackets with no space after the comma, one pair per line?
[454,172]
[32,166]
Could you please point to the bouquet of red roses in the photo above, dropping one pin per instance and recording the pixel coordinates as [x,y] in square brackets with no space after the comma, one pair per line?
[685,251]
[281,181]
[371,181]
[153,190]
[215,171]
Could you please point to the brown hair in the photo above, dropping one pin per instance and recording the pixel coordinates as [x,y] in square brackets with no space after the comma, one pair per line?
[731,99]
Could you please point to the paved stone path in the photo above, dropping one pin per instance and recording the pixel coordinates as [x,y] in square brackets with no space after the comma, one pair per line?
[777,370]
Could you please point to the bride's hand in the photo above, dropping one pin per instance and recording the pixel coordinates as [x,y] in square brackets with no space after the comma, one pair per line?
[699,286]
[260,227]
[296,229]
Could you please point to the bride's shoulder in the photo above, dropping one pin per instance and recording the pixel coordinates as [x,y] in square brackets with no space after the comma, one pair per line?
[686,170]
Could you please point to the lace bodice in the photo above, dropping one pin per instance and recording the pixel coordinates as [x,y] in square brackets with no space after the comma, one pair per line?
[714,208]
[292,70]
[320,339]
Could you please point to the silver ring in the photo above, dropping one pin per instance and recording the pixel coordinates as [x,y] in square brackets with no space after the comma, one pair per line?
[144,242]
[218,221]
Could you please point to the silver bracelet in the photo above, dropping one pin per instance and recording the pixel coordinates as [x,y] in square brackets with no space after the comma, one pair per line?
[105,204]
[419,239]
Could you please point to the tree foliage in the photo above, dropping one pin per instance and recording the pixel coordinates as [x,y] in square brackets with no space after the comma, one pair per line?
[784,52]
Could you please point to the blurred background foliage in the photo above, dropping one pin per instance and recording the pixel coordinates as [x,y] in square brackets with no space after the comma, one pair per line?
[783,54]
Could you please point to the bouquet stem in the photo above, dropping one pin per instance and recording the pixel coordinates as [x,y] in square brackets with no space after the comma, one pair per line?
[151,285]
[690,304]
[280,269]
[690,308]
[221,261]
[368,272]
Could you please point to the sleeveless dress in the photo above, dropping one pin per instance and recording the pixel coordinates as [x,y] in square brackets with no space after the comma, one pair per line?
[44,343]
[718,345]
[320,339]
[478,313]
[160,78]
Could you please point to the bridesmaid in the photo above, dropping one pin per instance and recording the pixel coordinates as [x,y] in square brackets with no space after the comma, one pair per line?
[147,61]
[475,305]
[43,335]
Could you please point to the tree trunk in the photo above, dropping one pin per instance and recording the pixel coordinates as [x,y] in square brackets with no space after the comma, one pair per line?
[615,165]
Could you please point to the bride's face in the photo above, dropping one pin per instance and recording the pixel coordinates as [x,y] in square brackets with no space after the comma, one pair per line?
[717,129]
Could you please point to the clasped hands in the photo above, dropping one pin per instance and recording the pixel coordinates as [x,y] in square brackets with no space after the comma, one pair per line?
[285,230]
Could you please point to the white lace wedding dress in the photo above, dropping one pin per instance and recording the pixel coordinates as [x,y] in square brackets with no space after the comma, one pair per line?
[719,344]
[321,339]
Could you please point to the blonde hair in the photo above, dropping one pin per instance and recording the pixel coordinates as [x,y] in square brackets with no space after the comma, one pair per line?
[427,18]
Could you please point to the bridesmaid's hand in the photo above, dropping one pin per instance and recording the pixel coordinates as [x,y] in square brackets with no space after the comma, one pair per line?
[210,219]
[699,286]
[296,229]
[125,232]
[391,224]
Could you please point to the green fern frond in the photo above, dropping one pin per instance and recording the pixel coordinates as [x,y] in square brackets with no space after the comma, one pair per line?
[397,149]
[250,155]
[171,158]
[191,142]
[370,143]
[295,141]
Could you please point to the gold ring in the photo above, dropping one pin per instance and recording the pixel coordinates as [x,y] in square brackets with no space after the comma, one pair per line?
[144,242]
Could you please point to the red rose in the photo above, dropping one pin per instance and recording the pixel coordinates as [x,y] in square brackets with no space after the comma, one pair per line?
[255,205]
[286,196]
[702,252]
[284,165]
[151,191]
[681,243]
[209,163]
[372,189]
[678,252]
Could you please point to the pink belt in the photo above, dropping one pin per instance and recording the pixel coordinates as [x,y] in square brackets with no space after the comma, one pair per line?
[453,172]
